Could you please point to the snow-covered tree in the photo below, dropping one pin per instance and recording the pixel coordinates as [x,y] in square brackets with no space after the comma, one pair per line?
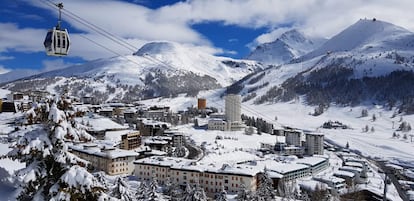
[152,194]
[101,177]
[172,189]
[304,196]
[179,151]
[404,126]
[286,189]
[141,190]
[196,194]
[121,190]
[244,194]
[222,195]
[265,189]
[52,172]
[364,113]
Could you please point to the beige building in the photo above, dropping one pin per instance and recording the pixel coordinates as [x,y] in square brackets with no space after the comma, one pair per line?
[209,177]
[130,141]
[111,160]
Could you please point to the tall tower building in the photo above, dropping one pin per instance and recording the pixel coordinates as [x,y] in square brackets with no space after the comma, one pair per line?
[233,108]
[293,137]
[314,143]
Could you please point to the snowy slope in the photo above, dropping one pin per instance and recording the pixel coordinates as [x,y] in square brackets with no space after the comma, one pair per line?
[371,61]
[296,114]
[367,36]
[291,44]
[161,56]
[16,74]
[157,69]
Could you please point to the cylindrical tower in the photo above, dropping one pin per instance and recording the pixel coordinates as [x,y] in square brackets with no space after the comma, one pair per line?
[233,108]
[201,103]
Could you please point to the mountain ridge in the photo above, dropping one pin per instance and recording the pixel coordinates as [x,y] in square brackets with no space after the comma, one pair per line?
[156,69]
[291,44]
[363,70]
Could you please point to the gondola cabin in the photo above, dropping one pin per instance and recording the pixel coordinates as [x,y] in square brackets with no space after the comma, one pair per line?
[57,42]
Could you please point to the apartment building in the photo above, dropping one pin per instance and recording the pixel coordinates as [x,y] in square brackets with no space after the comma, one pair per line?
[314,143]
[208,176]
[111,160]
[130,140]
[293,137]
[317,163]
[211,177]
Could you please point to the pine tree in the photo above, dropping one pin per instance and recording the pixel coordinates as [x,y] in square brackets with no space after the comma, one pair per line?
[305,196]
[265,189]
[152,194]
[196,194]
[52,172]
[100,176]
[244,194]
[222,195]
[364,113]
[172,190]
[286,189]
[121,190]
[141,190]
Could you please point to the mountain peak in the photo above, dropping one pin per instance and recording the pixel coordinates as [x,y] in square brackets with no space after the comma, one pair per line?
[153,48]
[289,45]
[362,35]
[293,36]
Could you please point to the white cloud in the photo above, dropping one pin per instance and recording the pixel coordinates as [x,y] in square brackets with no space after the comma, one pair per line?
[267,37]
[3,70]
[2,57]
[14,38]
[139,25]
[49,65]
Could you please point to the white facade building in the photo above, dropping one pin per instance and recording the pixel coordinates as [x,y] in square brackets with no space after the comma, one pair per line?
[233,108]
[314,143]
[232,118]
[293,137]
[111,160]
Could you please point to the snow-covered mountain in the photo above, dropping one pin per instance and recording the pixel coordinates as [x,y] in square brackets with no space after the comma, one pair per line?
[371,61]
[156,69]
[291,44]
[16,74]
[367,36]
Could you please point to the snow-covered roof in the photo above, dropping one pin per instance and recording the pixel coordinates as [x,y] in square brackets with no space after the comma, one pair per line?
[152,122]
[311,184]
[312,161]
[344,173]
[106,109]
[98,150]
[99,123]
[393,166]
[350,169]
[354,164]
[115,136]
[130,110]
[155,141]
[315,133]
[219,168]
[328,179]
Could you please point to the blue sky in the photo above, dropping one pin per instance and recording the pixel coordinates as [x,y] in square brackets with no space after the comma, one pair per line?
[224,27]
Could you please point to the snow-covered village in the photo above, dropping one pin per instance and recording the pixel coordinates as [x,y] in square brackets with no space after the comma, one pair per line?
[249,100]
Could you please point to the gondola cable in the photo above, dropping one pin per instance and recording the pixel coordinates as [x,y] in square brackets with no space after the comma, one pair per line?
[128,46]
